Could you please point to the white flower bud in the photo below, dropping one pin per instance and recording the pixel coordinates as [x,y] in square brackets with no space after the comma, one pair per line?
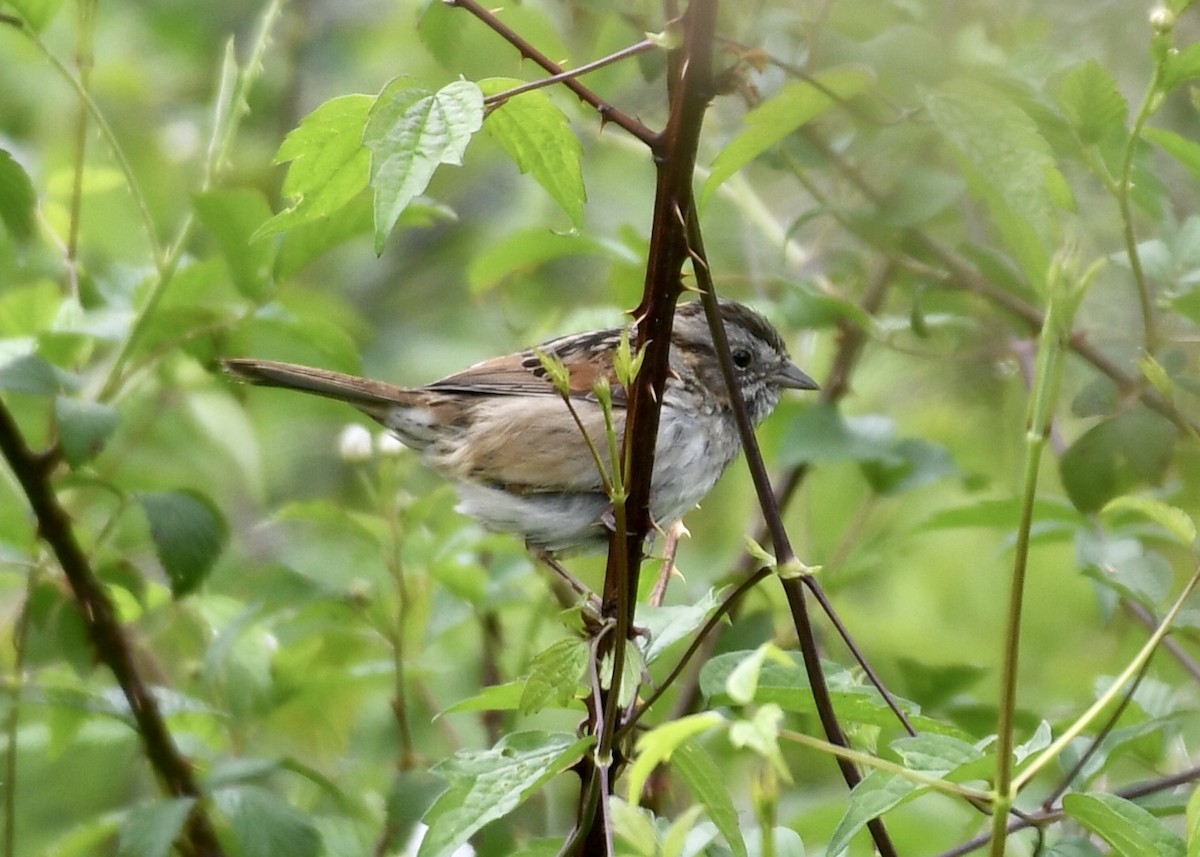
[388,445]
[354,444]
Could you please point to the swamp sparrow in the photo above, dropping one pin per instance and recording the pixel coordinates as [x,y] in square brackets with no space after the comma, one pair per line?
[503,434]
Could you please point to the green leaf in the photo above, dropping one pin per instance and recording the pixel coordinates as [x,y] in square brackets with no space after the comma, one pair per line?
[329,164]
[786,684]
[1171,518]
[678,834]
[911,464]
[1073,846]
[189,534]
[1092,102]
[83,428]
[770,122]
[1115,455]
[232,217]
[151,829]
[18,200]
[1125,566]
[937,684]
[656,747]
[267,826]
[518,254]
[874,795]
[1193,824]
[411,133]
[1186,151]
[34,375]
[1006,514]
[29,310]
[486,785]
[554,675]
[1129,829]
[760,734]
[633,829]
[538,137]
[669,625]
[494,697]
[710,787]
[1181,66]
[822,434]
[1009,167]
[941,755]
[37,13]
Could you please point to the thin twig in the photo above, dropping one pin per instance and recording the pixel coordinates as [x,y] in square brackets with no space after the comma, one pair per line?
[563,76]
[607,112]
[786,558]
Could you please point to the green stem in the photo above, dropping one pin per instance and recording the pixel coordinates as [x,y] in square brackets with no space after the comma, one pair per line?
[1124,188]
[84,60]
[869,761]
[1051,351]
[228,113]
[1131,670]
[106,131]
[13,721]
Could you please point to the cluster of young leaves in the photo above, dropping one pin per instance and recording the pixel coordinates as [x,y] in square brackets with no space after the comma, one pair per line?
[280,644]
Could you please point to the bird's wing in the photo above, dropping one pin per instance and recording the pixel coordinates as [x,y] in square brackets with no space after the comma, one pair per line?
[523,374]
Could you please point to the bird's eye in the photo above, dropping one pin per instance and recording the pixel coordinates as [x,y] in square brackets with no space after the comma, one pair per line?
[742,357]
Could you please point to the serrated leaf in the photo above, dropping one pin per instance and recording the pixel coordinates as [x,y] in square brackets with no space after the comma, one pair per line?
[267,826]
[1129,829]
[18,200]
[150,830]
[779,116]
[1171,518]
[786,684]
[554,675]
[937,755]
[538,137]
[410,133]
[1092,102]
[657,746]
[189,534]
[83,428]
[488,784]
[633,827]
[710,787]
[232,216]
[874,795]
[1009,167]
[329,164]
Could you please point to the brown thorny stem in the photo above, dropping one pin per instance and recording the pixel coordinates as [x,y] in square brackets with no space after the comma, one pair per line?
[690,82]
[112,648]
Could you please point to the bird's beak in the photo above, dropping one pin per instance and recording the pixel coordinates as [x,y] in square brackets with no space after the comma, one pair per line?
[793,377]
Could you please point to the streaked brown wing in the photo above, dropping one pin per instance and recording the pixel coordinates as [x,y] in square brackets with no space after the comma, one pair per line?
[522,374]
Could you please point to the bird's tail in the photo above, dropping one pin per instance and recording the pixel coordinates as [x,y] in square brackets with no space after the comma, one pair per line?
[373,398]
